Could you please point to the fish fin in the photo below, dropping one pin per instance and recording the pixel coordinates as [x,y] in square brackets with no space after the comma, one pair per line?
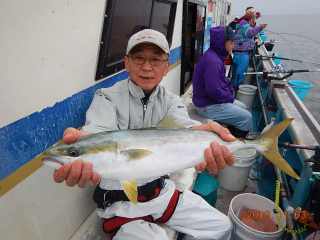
[168,122]
[137,154]
[130,189]
[270,139]
[276,130]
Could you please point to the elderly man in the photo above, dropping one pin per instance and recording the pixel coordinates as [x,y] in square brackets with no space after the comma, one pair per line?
[140,102]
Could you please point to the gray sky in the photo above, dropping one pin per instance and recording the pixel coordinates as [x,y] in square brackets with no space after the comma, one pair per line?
[276,7]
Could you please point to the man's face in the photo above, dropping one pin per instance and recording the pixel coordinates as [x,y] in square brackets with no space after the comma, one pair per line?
[229,45]
[147,76]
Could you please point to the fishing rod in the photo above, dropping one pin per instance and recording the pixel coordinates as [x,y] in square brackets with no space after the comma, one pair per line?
[290,71]
[274,41]
[282,58]
[266,76]
[281,37]
[287,145]
[279,34]
[315,159]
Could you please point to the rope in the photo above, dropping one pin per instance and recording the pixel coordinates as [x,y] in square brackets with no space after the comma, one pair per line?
[276,203]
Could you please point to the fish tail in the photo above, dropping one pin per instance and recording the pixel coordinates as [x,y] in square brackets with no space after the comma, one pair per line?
[270,139]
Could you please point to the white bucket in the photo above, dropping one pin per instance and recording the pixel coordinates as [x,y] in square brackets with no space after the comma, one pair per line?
[247,78]
[263,206]
[246,97]
[248,88]
[235,177]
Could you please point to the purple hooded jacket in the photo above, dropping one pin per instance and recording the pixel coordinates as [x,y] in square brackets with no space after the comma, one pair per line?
[210,84]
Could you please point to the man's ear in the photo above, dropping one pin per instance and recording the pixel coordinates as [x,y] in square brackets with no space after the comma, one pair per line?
[126,63]
[166,70]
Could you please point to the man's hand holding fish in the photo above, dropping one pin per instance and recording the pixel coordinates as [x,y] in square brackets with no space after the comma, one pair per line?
[77,173]
[216,156]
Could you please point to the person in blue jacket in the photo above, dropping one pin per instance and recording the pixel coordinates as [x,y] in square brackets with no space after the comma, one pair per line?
[213,91]
[244,46]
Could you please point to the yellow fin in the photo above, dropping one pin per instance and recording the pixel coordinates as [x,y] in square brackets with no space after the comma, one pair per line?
[168,122]
[137,154]
[270,139]
[130,189]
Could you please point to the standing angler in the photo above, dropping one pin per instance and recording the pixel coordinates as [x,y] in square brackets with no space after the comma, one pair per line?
[140,102]
[244,47]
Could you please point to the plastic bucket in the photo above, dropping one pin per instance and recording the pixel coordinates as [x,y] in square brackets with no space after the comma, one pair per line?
[206,186]
[248,88]
[235,177]
[300,88]
[269,46]
[276,60]
[247,78]
[263,38]
[246,95]
[264,207]
[261,33]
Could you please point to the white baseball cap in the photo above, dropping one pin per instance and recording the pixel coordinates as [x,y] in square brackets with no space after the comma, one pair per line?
[148,36]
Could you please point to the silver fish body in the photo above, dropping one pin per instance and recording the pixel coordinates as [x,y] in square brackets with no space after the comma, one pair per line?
[170,150]
[136,156]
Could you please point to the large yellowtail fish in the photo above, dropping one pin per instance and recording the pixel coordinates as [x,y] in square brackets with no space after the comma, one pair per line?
[130,156]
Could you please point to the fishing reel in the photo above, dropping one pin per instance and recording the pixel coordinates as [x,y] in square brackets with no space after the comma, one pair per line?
[315,159]
[315,195]
[311,218]
[268,78]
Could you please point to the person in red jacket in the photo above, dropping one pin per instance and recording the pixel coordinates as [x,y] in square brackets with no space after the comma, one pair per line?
[257,15]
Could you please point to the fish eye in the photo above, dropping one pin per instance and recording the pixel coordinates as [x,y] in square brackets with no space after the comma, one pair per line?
[73,153]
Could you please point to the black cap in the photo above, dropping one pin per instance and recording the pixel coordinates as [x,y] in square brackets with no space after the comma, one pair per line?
[231,35]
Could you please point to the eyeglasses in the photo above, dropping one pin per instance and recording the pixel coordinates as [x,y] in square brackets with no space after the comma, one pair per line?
[154,61]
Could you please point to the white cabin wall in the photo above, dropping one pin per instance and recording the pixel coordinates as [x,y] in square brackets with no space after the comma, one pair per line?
[176,38]
[48,52]
[172,80]
[39,208]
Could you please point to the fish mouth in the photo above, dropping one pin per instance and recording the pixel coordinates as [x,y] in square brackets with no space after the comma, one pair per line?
[52,162]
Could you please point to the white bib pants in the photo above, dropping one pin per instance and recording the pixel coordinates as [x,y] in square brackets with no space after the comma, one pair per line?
[192,216]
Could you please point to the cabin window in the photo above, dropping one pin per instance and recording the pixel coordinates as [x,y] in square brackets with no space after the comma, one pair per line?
[123,18]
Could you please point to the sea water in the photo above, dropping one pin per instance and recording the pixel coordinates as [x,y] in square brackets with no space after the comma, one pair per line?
[300,29]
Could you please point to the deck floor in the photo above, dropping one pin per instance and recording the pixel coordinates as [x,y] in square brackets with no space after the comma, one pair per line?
[225,196]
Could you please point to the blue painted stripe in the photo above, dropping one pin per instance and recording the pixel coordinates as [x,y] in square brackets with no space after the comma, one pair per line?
[206,33]
[175,55]
[23,140]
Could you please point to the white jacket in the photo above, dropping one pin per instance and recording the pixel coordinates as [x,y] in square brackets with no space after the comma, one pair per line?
[120,107]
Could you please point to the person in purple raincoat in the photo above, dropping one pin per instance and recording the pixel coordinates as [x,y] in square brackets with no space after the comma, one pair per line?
[213,91]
